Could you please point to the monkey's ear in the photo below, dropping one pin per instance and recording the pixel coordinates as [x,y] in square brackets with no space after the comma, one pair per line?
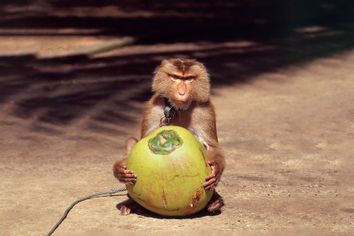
[202,71]
[162,64]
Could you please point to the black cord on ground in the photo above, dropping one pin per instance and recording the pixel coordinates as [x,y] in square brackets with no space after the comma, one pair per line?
[96,195]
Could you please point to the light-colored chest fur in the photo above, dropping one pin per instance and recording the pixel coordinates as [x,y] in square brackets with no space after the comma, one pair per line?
[186,119]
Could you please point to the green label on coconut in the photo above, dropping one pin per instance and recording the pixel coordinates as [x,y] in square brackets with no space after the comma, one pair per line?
[165,142]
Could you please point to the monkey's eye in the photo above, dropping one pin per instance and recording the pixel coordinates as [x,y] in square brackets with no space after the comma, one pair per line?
[174,78]
[189,79]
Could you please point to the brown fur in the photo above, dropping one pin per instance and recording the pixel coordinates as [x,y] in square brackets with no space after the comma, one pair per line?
[184,68]
[196,112]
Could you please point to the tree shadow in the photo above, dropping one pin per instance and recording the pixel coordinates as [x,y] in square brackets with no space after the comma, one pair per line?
[236,41]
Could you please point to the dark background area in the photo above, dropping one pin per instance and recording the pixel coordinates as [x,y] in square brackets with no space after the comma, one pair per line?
[154,21]
[61,89]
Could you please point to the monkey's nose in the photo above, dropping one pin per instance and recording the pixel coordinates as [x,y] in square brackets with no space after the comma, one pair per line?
[181,93]
[181,89]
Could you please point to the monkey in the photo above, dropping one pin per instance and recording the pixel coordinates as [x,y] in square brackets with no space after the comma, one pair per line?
[181,96]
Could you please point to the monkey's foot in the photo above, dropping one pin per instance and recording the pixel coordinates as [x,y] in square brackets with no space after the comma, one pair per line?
[215,204]
[128,206]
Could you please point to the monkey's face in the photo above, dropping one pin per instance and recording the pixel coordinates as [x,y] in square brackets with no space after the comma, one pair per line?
[182,81]
[180,91]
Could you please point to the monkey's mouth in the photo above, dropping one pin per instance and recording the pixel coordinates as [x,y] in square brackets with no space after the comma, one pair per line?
[181,105]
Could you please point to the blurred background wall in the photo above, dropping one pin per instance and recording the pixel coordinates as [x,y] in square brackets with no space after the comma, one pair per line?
[58,59]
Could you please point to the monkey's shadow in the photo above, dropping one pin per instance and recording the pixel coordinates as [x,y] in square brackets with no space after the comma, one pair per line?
[146,213]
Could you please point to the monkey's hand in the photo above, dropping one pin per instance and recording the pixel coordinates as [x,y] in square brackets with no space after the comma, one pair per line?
[124,175]
[212,180]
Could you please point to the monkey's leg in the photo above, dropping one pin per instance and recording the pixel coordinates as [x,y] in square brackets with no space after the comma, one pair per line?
[215,204]
[129,143]
[129,206]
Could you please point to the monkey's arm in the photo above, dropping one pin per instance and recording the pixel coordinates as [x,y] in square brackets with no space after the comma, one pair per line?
[205,127]
[120,170]
[150,121]
[153,112]
[216,161]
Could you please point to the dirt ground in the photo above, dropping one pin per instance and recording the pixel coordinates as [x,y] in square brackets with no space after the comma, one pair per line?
[288,135]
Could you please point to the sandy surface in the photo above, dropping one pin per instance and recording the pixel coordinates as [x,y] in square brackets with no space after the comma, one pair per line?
[288,135]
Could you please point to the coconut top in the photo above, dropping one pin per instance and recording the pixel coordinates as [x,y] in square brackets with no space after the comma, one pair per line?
[165,142]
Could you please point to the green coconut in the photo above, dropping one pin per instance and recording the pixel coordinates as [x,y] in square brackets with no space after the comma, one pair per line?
[171,167]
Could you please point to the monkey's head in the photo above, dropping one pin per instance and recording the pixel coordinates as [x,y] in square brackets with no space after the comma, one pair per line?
[182,81]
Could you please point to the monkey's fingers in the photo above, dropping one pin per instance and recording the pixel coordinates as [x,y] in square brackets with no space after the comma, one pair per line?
[124,175]
[125,179]
[126,171]
[129,175]
[130,181]
[210,183]
[121,170]
[212,175]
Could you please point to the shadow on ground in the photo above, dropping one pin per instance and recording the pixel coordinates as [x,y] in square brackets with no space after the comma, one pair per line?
[236,41]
